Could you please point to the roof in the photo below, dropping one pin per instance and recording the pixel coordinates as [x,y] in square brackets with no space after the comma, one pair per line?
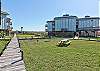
[65,17]
[89,18]
[50,21]
[4,13]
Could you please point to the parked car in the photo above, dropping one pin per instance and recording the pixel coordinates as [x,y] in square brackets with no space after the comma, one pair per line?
[64,42]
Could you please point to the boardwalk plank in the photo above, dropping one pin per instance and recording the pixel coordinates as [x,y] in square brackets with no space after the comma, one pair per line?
[11,59]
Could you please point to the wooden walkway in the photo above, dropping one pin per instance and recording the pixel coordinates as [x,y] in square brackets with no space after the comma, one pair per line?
[11,59]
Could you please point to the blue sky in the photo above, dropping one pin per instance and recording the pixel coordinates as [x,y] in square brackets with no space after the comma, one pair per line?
[33,14]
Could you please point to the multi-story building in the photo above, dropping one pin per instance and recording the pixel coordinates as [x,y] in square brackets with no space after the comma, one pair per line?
[62,26]
[89,26]
[69,26]
[50,27]
[6,24]
[65,23]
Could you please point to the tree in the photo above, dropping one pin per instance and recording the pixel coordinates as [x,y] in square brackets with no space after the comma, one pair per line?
[2,34]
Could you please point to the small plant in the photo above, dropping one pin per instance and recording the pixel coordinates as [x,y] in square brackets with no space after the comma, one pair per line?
[98,38]
[2,34]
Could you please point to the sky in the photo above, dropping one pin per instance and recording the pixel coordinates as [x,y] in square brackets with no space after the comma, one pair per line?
[33,14]
[99,8]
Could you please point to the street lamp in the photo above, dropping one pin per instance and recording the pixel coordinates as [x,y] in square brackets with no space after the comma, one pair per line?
[21,29]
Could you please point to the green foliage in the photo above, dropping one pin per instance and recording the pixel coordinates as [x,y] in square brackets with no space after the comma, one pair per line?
[2,44]
[98,38]
[2,34]
[46,56]
[39,35]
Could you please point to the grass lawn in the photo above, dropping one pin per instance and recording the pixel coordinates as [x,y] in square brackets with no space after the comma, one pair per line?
[81,55]
[2,44]
[24,36]
[98,38]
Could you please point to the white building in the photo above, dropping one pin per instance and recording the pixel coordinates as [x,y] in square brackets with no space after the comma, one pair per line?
[89,22]
[65,23]
[89,26]
[62,26]
[3,24]
[51,26]
[72,25]
[6,23]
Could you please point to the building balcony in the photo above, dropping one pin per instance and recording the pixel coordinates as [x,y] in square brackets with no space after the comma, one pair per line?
[89,29]
[3,29]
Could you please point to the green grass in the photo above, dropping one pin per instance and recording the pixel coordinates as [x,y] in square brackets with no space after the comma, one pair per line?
[98,38]
[24,36]
[2,44]
[46,56]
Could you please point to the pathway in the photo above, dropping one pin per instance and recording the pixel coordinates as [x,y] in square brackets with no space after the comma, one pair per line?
[11,59]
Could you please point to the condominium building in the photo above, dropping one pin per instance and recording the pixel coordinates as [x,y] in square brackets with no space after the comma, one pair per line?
[51,25]
[68,26]
[65,23]
[6,23]
[89,26]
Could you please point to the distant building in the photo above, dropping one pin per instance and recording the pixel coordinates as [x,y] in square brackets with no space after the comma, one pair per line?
[65,23]
[6,24]
[89,26]
[69,26]
[50,28]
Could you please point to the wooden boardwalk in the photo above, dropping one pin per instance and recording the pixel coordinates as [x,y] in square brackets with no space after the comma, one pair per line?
[11,59]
